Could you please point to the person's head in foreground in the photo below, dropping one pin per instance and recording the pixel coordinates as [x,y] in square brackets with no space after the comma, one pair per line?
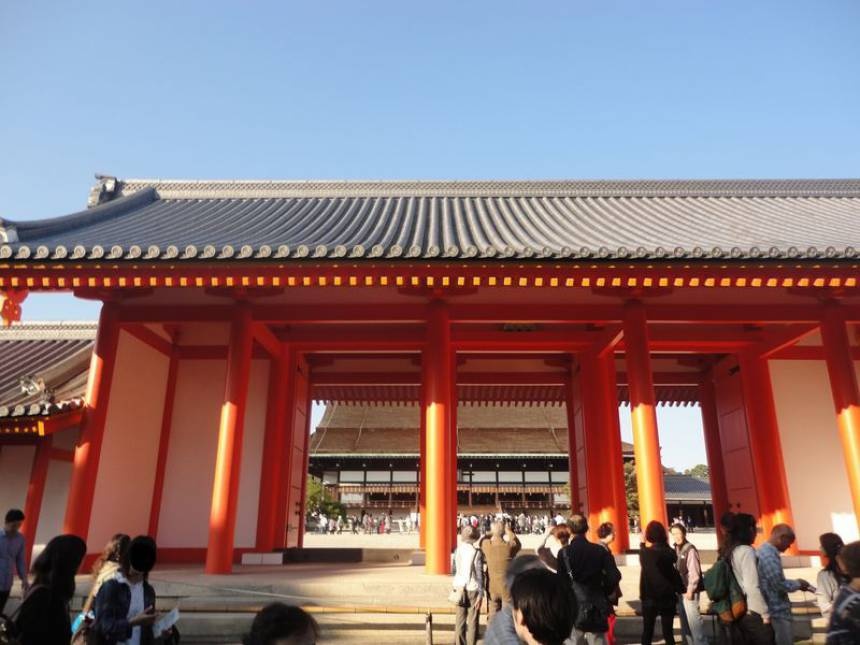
[782,537]
[139,559]
[743,530]
[543,608]
[606,533]
[679,534]
[655,533]
[113,551]
[14,520]
[468,534]
[559,536]
[280,624]
[578,524]
[831,545]
[849,561]
[57,564]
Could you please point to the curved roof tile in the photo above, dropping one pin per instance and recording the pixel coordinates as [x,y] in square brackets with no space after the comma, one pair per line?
[634,220]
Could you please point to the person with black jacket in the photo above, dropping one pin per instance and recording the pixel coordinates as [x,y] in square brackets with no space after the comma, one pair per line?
[125,605]
[593,575]
[659,583]
[43,617]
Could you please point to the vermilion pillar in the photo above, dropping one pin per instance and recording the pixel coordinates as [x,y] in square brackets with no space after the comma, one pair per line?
[35,493]
[163,442]
[437,400]
[269,535]
[572,447]
[452,479]
[598,426]
[765,445]
[843,384]
[646,441]
[713,448]
[422,470]
[225,489]
[615,453]
[85,466]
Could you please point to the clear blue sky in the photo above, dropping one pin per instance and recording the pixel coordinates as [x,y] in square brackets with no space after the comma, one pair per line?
[421,90]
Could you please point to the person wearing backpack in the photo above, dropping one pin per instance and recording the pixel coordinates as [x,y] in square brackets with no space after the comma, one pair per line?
[592,574]
[752,626]
[659,583]
[690,567]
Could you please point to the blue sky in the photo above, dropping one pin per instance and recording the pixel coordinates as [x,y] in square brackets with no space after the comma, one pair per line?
[421,90]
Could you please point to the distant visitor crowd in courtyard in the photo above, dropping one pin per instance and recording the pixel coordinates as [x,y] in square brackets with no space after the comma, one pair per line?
[564,594]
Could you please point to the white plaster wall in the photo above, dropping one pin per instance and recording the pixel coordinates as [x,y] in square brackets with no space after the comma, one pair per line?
[812,452]
[189,473]
[16,462]
[252,455]
[123,492]
[53,509]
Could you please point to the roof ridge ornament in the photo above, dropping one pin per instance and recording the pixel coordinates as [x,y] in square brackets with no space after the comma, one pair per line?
[104,190]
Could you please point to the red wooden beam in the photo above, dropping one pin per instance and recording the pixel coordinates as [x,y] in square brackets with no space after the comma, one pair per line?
[778,339]
[264,336]
[149,337]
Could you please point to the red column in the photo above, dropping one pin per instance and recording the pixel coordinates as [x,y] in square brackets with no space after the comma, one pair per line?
[225,489]
[714,449]
[35,493]
[437,397]
[87,452]
[572,447]
[765,446]
[422,468]
[284,484]
[163,442]
[271,477]
[646,442]
[615,453]
[452,463]
[843,384]
[595,383]
[306,456]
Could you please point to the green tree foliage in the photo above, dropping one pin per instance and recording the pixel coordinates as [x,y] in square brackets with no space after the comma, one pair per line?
[319,500]
[631,487]
[699,471]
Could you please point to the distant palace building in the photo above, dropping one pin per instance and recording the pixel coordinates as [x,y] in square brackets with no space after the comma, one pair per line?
[511,458]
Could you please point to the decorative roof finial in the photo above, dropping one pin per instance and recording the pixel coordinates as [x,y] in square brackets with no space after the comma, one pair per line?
[103,191]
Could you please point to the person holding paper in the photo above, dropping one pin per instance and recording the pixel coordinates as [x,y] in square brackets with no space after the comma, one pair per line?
[125,606]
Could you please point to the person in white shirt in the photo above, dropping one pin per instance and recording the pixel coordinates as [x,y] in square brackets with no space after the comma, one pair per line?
[754,627]
[468,577]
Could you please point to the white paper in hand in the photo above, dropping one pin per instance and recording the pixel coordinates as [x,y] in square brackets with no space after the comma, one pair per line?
[166,622]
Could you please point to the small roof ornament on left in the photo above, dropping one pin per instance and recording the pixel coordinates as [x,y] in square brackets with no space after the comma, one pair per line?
[103,191]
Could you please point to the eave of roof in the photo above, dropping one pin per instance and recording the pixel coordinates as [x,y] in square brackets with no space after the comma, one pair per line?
[644,220]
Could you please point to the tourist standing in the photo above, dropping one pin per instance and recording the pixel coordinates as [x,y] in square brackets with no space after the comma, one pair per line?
[774,586]
[844,626]
[606,536]
[12,560]
[280,624]
[43,617]
[659,582]
[831,578]
[125,605]
[499,549]
[542,608]
[593,575]
[105,568]
[753,627]
[690,567]
[555,540]
[469,584]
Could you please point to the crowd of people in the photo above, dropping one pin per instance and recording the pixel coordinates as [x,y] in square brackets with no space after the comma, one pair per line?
[120,606]
[567,593]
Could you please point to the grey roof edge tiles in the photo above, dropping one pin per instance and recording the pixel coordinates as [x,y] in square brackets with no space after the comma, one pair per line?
[50,330]
[247,189]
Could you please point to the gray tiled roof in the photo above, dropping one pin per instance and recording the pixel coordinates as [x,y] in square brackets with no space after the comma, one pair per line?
[238,220]
[58,354]
[685,487]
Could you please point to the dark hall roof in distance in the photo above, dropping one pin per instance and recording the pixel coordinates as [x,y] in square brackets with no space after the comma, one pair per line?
[139,219]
